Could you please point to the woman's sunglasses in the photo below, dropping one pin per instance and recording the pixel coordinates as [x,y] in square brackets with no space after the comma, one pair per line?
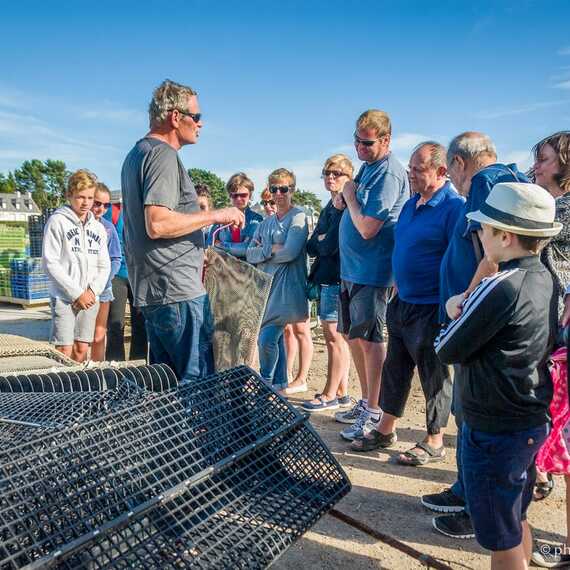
[333,173]
[268,202]
[98,204]
[281,189]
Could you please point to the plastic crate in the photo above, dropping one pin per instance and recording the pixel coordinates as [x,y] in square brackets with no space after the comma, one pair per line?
[29,265]
[220,472]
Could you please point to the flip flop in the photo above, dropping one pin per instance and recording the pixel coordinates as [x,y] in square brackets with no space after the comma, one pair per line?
[431,455]
[542,489]
[296,389]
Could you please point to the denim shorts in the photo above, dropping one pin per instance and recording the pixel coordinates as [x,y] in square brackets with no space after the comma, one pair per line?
[328,303]
[499,476]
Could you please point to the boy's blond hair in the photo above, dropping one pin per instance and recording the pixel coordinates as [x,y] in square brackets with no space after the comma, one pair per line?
[80,180]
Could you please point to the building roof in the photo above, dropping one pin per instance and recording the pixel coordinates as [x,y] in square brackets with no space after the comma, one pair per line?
[16,202]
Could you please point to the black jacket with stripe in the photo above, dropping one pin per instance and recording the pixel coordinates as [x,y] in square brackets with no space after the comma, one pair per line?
[503,340]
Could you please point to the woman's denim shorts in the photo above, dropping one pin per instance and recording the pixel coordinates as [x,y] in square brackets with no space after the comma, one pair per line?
[328,303]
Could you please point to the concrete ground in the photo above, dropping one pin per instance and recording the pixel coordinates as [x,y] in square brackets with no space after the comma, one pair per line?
[385,495]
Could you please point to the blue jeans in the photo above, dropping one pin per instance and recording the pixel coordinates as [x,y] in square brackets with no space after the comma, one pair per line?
[180,335]
[458,488]
[272,356]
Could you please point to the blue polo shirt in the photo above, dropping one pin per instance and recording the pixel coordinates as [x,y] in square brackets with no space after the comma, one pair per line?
[381,190]
[459,262]
[422,236]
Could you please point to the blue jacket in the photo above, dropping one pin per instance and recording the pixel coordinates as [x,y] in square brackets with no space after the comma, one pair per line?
[119,226]
[237,249]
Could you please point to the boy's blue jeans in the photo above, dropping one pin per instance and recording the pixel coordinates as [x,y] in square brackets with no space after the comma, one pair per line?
[180,335]
[272,356]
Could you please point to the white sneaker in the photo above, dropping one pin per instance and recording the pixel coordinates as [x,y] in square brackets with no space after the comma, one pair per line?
[350,416]
[356,430]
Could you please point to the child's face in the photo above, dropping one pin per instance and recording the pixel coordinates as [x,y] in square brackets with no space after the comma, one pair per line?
[203,203]
[494,244]
[81,201]
[101,203]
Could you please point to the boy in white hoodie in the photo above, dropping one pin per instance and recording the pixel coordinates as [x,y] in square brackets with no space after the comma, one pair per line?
[76,259]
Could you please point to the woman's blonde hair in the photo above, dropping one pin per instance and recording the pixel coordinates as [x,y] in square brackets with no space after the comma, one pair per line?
[282,174]
[342,162]
[81,180]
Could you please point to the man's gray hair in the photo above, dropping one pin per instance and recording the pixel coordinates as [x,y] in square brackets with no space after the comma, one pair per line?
[471,146]
[437,153]
[166,97]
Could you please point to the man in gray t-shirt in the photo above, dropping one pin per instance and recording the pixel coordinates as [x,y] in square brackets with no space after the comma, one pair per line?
[164,243]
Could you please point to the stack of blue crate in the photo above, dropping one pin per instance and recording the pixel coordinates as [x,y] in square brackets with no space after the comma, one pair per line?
[36,234]
[28,279]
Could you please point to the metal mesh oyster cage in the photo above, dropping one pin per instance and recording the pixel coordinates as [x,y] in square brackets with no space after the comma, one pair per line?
[218,473]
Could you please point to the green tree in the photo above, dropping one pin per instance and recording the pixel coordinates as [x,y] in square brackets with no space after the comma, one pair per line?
[307,198]
[217,186]
[7,183]
[45,180]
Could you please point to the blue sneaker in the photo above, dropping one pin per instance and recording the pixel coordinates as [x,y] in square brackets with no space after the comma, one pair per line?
[322,406]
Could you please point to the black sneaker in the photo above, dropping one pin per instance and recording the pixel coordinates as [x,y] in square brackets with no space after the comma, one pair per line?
[456,526]
[444,502]
[550,556]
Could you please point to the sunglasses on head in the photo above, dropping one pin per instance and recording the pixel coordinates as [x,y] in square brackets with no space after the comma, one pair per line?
[98,204]
[268,202]
[239,195]
[281,189]
[333,173]
[364,142]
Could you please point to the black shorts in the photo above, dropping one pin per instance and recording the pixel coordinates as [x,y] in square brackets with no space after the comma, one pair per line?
[362,311]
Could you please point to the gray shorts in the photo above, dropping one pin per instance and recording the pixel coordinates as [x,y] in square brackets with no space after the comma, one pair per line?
[68,326]
[362,311]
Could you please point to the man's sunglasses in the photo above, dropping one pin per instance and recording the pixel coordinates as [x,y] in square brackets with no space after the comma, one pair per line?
[282,189]
[194,116]
[98,204]
[268,202]
[239,195]
[364,142]
[333,173]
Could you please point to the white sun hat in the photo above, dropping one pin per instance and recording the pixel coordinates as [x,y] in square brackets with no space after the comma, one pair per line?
[525,209]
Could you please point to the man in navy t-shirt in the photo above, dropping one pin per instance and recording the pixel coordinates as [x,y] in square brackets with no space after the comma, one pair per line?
[423,232]
[473,169]
[366,239]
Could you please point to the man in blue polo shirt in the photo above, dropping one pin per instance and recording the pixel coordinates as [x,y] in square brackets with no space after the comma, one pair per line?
[423,232]
[366,239]
[473,169]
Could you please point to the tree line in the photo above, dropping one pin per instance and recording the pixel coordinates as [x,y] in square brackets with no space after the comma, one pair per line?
[46,180]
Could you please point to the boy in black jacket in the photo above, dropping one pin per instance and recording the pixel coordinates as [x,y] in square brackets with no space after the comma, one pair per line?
[503,338]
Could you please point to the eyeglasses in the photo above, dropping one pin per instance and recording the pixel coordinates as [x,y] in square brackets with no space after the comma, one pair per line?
[333,173]
[364,142]
[194,116]
[98,204]
[268,202]
[282,189]
[239,195]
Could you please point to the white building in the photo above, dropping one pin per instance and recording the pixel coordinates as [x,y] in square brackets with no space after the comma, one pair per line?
[17,207]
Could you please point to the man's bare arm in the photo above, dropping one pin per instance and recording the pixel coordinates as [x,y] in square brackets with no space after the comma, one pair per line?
[161,222]
[367,226]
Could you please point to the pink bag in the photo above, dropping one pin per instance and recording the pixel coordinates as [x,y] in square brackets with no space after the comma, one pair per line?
[554,455]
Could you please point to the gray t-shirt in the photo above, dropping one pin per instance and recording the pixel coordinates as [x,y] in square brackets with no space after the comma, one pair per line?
[161,271]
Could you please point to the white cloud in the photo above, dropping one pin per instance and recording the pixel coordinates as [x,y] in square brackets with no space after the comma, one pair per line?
[564,51]
[522,158]
[407,141]
[563,85]
[521,110]
[117,115]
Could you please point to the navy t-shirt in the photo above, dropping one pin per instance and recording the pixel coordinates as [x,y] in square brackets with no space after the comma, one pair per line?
[459,262]
[422,236]
[381,190]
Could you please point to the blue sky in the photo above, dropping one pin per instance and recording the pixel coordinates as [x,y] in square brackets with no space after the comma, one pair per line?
[280,83]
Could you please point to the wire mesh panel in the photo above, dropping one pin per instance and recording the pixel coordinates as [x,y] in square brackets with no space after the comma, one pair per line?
[238,294]
[219,473]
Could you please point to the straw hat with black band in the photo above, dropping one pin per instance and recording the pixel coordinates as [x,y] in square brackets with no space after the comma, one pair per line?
[525,209]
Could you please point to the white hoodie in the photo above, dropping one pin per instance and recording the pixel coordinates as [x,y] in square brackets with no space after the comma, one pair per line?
[75,255]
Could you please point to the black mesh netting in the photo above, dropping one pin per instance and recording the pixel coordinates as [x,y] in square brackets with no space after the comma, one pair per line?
[97,470]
